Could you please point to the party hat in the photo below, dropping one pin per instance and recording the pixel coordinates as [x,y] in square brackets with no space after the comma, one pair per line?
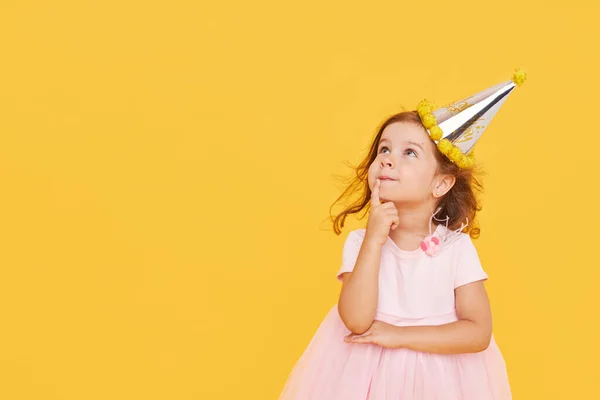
[456,127]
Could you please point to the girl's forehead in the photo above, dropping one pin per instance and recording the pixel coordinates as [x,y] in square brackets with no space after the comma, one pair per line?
[399,131]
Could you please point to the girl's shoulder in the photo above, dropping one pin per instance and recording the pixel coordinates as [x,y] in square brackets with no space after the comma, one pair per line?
[358,233]
[453,240]
[355,237]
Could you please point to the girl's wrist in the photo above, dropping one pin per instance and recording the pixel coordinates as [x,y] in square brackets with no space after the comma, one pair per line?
[372,244]
[400,337]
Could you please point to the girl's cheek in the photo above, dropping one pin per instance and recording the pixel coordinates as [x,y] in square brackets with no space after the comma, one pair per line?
[371,177]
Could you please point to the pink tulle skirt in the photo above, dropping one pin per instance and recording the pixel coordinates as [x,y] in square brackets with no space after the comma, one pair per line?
[331,369]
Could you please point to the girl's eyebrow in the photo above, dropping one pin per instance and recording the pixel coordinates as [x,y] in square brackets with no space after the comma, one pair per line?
[409,142]
[416,144]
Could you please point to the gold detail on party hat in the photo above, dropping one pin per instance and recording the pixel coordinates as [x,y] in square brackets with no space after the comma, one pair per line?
[455,108]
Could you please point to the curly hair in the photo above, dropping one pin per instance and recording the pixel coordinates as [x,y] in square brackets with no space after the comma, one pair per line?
[459,205]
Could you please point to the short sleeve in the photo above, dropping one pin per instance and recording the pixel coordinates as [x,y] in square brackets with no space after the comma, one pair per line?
[468,267]
[350,252]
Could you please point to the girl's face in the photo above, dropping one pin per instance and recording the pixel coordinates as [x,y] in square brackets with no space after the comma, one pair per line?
[405,164]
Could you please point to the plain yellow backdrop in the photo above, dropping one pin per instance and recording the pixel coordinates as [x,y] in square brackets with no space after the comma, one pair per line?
[166,171]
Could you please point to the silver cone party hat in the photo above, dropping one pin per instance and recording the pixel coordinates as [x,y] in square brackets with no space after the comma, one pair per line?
[458,126]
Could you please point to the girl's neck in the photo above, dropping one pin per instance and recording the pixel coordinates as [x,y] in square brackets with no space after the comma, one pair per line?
[412,228]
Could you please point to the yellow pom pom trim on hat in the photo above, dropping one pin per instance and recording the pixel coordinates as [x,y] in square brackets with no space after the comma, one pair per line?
[429,121]
[463,161]
[435,132]
[444,146]
[519,77]
[424,107]
[455,154]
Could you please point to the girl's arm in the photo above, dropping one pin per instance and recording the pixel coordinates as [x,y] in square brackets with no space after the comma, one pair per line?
[360,289]
[470,334]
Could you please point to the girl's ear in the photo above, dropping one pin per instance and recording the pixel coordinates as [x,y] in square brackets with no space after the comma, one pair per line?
[442,185]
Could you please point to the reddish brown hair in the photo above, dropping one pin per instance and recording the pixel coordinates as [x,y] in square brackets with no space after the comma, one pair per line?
[459,204]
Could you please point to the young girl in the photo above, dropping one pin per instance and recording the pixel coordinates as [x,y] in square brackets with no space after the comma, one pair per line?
[413,319]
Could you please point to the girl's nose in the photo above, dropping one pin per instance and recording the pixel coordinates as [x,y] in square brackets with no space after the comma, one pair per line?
[386,162]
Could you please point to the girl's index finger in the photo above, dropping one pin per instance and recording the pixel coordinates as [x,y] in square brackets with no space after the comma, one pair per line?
[375,193]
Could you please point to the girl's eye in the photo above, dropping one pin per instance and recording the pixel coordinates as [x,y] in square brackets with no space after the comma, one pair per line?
[382,148]
[410,152]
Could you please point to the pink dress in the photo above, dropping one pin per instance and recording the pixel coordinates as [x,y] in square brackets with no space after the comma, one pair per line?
[414,289]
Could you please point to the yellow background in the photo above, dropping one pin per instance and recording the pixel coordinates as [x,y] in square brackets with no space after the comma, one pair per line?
[166,170]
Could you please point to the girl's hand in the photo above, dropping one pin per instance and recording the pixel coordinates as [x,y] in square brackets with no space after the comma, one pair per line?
[380,333]
[382,218]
